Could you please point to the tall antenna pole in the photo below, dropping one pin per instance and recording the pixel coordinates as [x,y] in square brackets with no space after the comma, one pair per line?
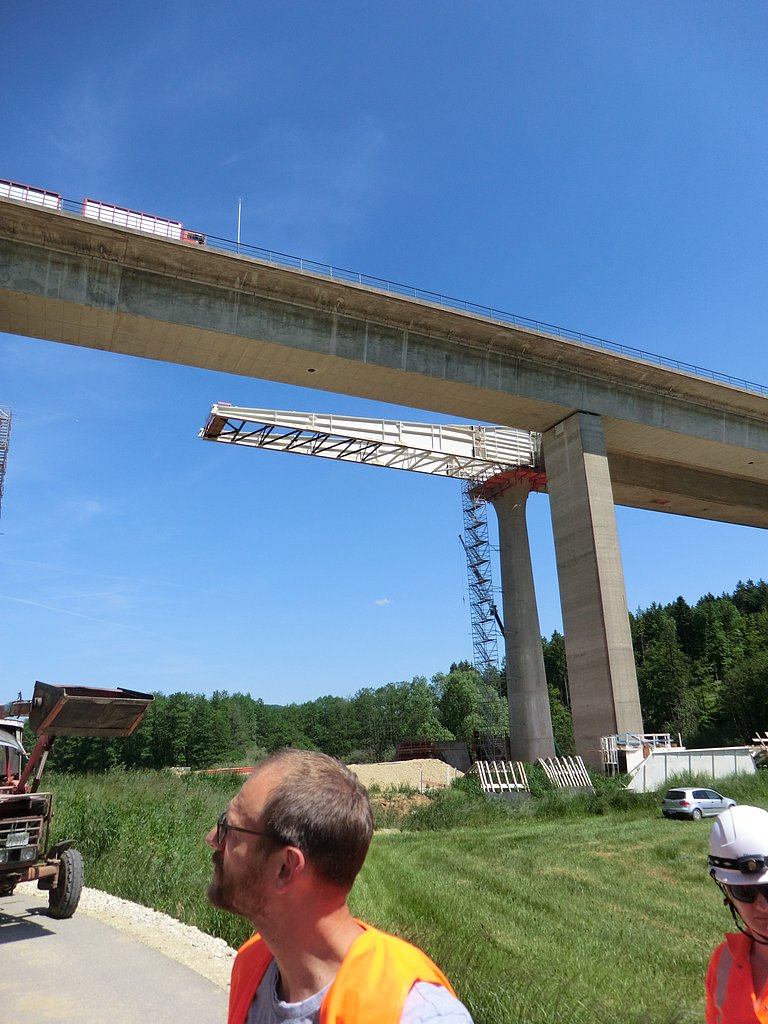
[239,211]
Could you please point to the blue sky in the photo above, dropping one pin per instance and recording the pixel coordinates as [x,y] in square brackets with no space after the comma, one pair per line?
[596,165]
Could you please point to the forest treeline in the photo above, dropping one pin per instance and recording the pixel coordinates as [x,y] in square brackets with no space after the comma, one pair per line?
[702,672]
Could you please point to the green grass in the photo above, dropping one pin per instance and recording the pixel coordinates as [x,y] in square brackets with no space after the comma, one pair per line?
[596,919]
[587,909]
[142,836]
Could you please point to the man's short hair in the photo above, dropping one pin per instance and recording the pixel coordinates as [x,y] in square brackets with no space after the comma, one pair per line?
[321,807]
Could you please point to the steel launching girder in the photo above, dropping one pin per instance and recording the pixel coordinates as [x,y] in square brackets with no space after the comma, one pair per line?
[465,452]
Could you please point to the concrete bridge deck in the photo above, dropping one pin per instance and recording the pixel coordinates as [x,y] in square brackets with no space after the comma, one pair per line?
[675,442]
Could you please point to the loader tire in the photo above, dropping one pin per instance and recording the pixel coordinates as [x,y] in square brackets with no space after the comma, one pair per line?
[64,897]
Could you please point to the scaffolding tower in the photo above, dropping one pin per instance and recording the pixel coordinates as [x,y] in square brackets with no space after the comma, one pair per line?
[5,436]
[485,644]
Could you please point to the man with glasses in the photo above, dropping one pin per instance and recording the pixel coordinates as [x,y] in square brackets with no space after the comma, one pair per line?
[286,853]
[737,976]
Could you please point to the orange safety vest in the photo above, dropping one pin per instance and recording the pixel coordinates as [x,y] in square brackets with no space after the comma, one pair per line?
[731,997]
[372,985]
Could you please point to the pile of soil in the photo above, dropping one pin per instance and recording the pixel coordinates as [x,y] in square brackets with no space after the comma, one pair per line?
[420,773]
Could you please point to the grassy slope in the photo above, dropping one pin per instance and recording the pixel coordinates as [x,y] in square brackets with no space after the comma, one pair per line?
[582,917]
[593,919]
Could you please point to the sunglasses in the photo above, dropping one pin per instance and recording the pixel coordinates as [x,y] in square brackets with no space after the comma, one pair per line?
[748,893]
[223,826]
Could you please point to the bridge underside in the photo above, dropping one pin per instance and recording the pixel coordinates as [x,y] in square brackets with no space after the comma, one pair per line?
[675,443]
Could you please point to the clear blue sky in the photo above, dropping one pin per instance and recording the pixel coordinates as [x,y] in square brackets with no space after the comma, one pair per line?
[597,165]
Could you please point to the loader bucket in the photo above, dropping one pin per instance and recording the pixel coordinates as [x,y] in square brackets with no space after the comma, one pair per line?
[84,711]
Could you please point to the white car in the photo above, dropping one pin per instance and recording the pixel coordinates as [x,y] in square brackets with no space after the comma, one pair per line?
[694,803]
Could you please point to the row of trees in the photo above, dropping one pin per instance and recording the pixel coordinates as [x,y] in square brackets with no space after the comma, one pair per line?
[225,729]
[702,672]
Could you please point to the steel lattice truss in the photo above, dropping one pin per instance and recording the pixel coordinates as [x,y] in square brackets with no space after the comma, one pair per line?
[487,459]
[5,436]
[470,452]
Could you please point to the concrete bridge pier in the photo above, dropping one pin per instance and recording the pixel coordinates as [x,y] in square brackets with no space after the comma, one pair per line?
[530,720]
[598,643]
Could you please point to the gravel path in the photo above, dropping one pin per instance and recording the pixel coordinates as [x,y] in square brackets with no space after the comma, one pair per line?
[212,958]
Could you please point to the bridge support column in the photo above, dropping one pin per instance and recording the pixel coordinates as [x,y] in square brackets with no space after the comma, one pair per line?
[598,643]
[530,720]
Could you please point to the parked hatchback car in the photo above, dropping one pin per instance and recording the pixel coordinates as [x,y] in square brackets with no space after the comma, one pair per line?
[694,803]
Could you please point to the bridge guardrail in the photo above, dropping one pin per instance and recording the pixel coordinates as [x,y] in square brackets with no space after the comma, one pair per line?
[461,305]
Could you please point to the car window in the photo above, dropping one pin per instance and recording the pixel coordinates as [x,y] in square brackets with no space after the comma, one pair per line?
[700,794]
[675,794]
[713,795]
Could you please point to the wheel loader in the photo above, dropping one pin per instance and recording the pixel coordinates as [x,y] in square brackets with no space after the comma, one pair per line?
[25,813]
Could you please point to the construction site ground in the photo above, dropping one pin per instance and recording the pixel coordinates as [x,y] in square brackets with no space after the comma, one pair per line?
[420,773]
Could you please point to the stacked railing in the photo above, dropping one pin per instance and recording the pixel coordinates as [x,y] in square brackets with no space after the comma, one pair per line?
[566,772]
[502,776]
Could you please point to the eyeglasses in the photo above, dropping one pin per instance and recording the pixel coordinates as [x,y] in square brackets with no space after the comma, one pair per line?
[748,893]
[223,826]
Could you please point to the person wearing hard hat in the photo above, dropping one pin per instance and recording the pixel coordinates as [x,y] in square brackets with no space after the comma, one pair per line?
[737,976]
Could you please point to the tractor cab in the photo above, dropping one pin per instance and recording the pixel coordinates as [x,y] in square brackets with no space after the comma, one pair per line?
[12,753]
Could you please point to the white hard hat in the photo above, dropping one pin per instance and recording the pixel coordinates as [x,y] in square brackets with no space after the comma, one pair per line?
[738,846]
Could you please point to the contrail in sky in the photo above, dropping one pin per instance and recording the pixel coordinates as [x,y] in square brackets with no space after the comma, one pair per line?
[77,615]
[85,572]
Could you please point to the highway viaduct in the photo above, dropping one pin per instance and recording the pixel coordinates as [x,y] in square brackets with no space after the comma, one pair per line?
[616,429]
